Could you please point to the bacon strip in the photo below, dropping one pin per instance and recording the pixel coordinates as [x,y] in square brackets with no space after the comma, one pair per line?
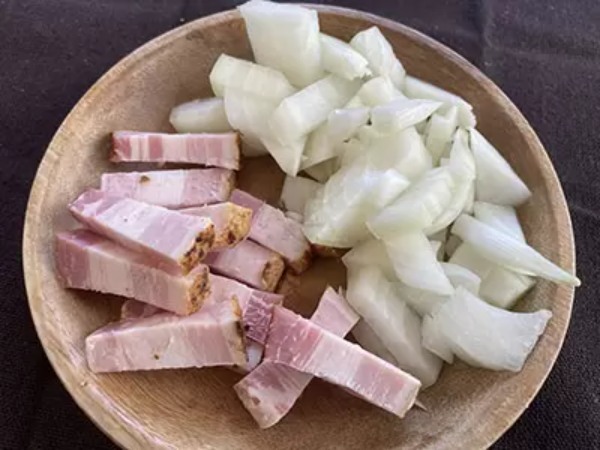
[273,230]
[177,240]
[172,188]
[210,337]
[216,150]
[86,260]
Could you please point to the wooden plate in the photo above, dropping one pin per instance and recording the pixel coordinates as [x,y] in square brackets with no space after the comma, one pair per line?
[194,409]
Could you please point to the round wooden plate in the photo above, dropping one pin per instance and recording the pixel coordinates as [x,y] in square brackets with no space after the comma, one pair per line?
[196,409]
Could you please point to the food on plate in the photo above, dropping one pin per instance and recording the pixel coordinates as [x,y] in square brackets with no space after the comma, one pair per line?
[209,337]
[180,241]
[273,230]
[339,58]
[303,345]
[171,188]
[86,260]
[206,115]
[270,390]
[232,222]
[215,150]
[249,263]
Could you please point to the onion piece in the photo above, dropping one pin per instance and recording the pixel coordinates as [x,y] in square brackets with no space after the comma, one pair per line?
[500,286]
[205,115]
[340,58]
[417,207]
[246,76]
[336,215]
[285,37]
[496,181]
[368,339]
[415,262]
[304,111]
[247,113]
[437,247]
[502,218]
[415,88]
[485,336]
[433,339]
[322,171]
[439,132]
[327,141]
[296,192]
[461,276]
[370,253]
[287,155]
[452,243]
[401,113]
[396,325]
[373,45]
[508,251]
[378,91]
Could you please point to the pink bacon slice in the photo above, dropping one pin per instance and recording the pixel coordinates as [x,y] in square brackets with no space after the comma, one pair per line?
[172,188]
[272,229]
[85,260]
[303,345]
[232,222]
[210,337]
[270,390]
[178,241]
[248,263]
[215,150]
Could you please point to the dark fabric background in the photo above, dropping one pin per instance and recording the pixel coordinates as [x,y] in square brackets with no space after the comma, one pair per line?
[544,54]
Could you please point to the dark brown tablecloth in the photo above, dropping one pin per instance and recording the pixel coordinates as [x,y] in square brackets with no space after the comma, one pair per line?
[544,54]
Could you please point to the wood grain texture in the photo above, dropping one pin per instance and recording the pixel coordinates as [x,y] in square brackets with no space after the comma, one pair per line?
[197,409]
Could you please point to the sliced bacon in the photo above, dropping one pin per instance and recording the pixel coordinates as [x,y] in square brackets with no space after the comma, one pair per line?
[232,222]
[207,149]
[172,188]
[210,337]
[303,345]
[179,241]
[273,230]
[85,260]
[249,263]
[270,390]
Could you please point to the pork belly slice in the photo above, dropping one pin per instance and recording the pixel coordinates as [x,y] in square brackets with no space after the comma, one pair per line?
[178,241]
[172,188]
[207,149]
[270,390]
[303,345]
[232,222]
[249,263]
[210,337]
[272,229]
[85,260]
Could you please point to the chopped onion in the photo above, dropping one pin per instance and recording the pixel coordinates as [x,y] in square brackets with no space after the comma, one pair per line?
[485,336]
[439,132]
[322,171]
[418,206]
[396,325]
[303,112]
[415,262]
[461,276]
[327,141]
[378,91]
[438,249]
[205,115]
[340,58]
[433,339]
[415,88]
[373,45]
[509,252]
[502,218]
[496,181]
[287,155]
[401,113]
[452,243]
[369,340]
[296,192]
[245,76]
[248,113]
[285,37]
[337,214]
[370,253]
